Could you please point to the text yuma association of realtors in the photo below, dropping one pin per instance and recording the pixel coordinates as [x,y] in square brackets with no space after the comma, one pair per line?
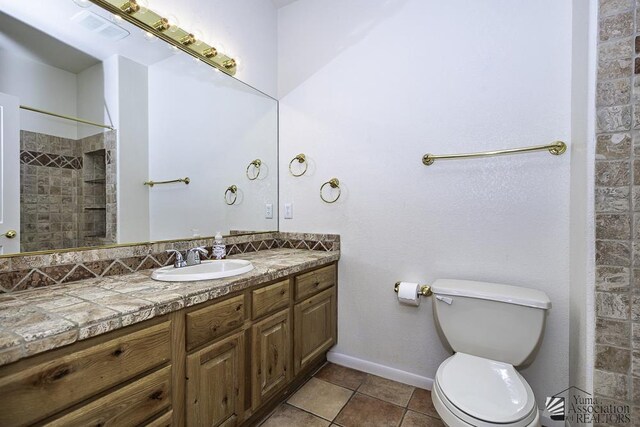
[591,410]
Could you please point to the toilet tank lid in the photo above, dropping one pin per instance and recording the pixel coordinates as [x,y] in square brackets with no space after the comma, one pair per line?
[492,291]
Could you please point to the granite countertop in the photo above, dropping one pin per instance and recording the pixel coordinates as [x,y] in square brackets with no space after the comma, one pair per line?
[38,320]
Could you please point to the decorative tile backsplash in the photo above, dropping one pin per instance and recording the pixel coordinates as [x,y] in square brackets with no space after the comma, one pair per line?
[33,271]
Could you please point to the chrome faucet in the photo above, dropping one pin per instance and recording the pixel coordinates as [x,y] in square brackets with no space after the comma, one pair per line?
[179,262]
[193,255]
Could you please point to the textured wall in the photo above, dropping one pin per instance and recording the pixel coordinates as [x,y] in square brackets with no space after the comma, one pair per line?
[617,364]
[367,88]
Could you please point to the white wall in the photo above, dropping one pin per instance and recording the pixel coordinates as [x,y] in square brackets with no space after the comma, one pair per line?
[223,126]
[244,29]
[368,87]
[41,86]
[582,194]
[91,103]
[126,89]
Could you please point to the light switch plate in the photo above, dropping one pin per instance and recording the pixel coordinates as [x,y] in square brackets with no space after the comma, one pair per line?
[268,211]
[288,210]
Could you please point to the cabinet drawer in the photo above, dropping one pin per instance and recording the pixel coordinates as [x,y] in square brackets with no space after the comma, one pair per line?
[127,406]
[270,298]
[46,388]
[214,321]
[314,281]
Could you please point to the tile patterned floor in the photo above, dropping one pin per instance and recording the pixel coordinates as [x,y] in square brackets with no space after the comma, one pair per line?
[338,396]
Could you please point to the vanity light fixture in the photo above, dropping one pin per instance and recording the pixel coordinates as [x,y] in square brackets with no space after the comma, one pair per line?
[165,29]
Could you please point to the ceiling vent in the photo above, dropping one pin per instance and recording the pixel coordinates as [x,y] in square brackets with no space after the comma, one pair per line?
[99,25]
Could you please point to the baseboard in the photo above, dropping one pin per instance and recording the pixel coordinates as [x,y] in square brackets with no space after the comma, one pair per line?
[380,370]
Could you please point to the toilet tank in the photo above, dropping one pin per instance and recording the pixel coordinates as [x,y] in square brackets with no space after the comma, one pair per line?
[490,320]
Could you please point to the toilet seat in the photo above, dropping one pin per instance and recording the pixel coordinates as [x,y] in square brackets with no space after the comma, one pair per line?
[483,392]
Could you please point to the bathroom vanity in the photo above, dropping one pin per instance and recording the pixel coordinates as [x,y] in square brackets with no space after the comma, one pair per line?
[221,352]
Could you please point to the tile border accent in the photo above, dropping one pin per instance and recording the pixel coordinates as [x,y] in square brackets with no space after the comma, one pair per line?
[35,271]
[36,158]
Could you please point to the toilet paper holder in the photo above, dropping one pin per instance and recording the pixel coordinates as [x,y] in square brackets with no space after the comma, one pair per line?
[425,290]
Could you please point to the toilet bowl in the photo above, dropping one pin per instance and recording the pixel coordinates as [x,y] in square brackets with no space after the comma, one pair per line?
[473,391]
[492,329]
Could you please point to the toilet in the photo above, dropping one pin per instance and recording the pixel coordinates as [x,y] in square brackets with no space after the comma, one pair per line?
[492,329]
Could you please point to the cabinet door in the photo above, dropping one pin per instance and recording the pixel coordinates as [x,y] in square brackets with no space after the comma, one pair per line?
[314,327]
[215,384]
[270,356]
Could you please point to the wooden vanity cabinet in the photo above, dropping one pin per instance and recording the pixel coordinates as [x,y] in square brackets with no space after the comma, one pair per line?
[124,378]
[225,363]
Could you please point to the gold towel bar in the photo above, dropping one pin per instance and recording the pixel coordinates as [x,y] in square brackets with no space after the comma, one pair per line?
[555,148]
[62,116]
[152,183]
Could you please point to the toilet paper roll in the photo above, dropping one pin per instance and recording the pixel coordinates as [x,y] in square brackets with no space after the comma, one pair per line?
[408,293]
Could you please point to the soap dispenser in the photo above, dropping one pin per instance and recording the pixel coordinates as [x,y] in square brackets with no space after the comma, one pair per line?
[219,248]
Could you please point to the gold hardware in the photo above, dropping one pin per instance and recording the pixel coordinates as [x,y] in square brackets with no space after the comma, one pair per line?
[155,24]
[10,234]
[130,7]
[210,53]
[301,158]
[333,183]
[62,116]
[425,290]
[233,189]
[188,39]
[555,148]
[152,183]
[229,64]
[256,169]
[161,25]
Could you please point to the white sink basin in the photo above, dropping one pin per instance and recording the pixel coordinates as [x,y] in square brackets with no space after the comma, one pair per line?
[206,270]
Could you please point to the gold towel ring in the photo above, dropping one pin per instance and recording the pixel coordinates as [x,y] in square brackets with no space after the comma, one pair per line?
[233,189]
[301,158]
[333,183]
[256,169]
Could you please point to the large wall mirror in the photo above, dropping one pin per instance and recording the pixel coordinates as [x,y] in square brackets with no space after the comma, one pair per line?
[148,112]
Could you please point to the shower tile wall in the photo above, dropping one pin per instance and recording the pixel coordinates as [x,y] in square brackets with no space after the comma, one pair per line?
[617,194]
[50,189]
[63,203]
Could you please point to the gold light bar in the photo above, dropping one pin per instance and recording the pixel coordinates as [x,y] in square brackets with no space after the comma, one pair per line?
[157,25]
[555,148]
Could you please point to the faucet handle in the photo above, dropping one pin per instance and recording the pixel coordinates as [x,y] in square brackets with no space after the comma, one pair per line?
[193,255]
[180,262]
[200,249]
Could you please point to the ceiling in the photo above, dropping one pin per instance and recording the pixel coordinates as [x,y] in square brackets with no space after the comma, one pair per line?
[282,3]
